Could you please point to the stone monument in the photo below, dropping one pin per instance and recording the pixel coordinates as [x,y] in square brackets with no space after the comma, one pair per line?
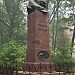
[38,51]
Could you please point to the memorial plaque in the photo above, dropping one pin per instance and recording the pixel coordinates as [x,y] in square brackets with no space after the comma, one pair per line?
[43,55]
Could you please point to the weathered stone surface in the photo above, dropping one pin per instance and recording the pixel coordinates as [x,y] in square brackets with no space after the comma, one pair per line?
[38,35]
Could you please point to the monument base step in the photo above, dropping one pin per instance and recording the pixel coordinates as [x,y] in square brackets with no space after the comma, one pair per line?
[41,73]
[45,73]
[38,67]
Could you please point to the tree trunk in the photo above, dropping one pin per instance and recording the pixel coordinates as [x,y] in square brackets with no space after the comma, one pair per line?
[56,25]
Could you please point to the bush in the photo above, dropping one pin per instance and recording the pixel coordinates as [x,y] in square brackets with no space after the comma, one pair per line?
[12,53]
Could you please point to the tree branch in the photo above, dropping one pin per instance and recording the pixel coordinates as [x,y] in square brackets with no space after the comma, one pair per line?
[55,11]
[73,37]
[4,23]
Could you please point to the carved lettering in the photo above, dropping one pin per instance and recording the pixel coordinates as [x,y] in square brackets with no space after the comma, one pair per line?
[42,27]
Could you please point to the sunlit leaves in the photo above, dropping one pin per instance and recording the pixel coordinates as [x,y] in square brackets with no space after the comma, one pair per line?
[12,53]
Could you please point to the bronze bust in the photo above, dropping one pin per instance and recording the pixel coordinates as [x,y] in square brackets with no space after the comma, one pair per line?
[40,5]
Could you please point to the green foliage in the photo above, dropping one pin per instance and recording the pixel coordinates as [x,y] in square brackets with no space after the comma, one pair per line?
[62,55]
[63,51]
[12,21]
[12,53]
[12,26]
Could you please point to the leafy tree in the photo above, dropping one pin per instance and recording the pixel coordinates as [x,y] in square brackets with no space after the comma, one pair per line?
[13,25]
[63,51]
[61,45]
[12,53]
[13,21]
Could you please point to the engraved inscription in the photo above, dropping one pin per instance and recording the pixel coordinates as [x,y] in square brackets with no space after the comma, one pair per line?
[42,27]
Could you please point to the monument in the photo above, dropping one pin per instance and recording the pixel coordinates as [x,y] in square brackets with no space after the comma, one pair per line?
[38,51]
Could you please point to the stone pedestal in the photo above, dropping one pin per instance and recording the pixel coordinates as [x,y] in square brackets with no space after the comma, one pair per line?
[38,52]
[38,60]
